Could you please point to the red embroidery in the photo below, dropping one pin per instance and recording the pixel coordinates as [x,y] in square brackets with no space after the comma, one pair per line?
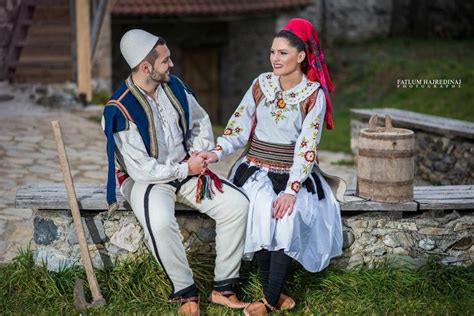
[310,156]
[295,186]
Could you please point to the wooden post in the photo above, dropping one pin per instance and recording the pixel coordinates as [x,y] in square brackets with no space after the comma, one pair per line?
[84,87]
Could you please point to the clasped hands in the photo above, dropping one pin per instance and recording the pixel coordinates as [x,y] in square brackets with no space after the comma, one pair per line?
[199,161]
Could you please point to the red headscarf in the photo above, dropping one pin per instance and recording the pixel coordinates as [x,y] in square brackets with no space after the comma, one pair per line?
[317,70]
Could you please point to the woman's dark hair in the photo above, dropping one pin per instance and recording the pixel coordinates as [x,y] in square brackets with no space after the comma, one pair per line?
[295,42]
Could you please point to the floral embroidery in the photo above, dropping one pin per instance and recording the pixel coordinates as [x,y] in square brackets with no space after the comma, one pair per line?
[218,148]
[239,111]
[271,89]
[295,186]
[232,130]
[315,125]
[310,156]
[278,116]
[304,142]
[281,104]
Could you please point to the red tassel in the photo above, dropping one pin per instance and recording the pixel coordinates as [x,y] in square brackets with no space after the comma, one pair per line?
[206,190]
[216,180]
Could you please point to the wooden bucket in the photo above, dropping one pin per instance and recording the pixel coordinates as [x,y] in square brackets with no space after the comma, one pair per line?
[385,164]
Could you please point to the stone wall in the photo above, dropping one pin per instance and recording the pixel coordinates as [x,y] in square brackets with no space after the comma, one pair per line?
[443,160]
[439,159]
[361,20]
[368,238]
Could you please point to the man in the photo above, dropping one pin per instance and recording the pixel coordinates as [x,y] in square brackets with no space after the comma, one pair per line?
[155,130]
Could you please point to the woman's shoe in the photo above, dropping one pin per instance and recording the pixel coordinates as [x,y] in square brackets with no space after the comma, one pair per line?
[259,308]
[285,303]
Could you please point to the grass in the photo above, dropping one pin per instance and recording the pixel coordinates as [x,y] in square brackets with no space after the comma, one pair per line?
[139,287]
[366,74]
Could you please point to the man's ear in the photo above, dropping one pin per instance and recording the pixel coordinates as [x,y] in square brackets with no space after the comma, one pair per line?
[144,66]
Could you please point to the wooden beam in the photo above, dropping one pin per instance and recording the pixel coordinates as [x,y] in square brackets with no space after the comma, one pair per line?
[53,196]
[83,53]
[419,121]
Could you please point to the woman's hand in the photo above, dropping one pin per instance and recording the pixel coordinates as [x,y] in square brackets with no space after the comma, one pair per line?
[282,205]
[208,156]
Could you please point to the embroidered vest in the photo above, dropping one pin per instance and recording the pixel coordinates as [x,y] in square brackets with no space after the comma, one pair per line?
[128,104]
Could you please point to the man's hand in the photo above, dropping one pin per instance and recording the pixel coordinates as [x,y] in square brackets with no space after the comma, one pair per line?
[282,205]
[208,156]
[196,165]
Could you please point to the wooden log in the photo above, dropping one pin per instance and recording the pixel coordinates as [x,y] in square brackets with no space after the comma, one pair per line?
[53,196]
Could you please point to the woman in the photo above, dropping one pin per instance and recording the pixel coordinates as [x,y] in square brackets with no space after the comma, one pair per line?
[293,213]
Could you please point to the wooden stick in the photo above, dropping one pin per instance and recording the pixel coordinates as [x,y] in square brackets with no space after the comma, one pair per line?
[83,53]
[76,215]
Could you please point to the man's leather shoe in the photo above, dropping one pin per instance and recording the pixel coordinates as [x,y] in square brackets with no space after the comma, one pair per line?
[226,298]
[189,307]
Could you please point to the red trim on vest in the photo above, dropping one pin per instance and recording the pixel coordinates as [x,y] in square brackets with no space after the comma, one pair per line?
[123,95]
[310,102]
[121,176]
[123,108]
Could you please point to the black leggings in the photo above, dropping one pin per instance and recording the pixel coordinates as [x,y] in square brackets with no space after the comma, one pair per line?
[273,268]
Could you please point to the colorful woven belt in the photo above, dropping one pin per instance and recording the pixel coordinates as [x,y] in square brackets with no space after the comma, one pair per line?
[270,154]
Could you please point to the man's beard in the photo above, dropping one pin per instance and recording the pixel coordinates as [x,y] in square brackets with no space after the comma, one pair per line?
[159,78]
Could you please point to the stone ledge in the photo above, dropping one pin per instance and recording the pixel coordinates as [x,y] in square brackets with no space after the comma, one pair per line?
[367,238]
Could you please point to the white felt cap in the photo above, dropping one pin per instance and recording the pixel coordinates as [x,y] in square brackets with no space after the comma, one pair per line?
[135,45]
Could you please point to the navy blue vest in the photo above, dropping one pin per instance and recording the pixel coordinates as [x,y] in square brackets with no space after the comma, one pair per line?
[129,104]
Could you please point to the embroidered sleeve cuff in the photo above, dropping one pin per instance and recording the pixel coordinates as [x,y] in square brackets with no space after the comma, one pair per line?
[293,187]
[218,150]
[182,171]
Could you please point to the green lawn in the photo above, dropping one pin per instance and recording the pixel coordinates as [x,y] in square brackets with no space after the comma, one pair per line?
[140,287]
[366,76]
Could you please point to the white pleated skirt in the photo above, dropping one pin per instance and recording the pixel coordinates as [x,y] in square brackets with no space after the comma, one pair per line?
[311,235]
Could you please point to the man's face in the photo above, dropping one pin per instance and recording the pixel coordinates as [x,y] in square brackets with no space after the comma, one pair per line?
[160,71]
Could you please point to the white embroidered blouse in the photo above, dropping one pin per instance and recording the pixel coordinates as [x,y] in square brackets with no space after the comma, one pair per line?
[279,120]
[169,165]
